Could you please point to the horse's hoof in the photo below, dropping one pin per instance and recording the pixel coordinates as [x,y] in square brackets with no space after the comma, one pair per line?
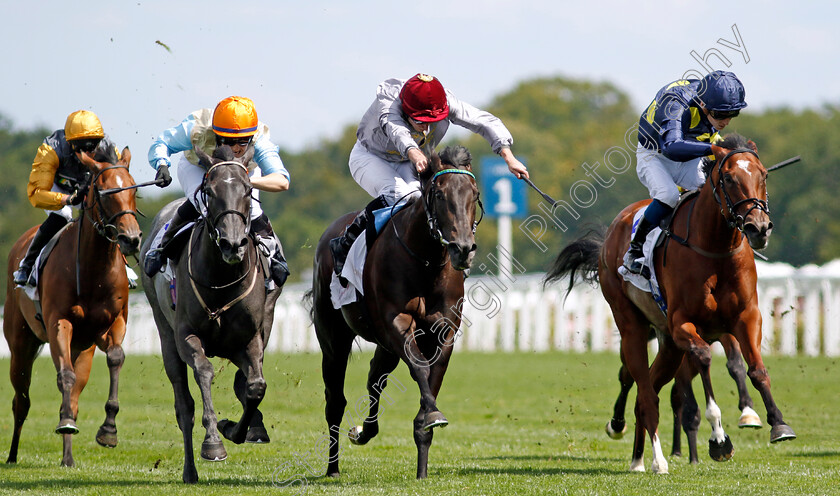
[333,475]
[781,432]
[355,435]
[434,419]
[67,426]
[721,451]
[213,451]
[617,430]
[257,435]
[637,465]
[749,419]
[228,430]
[107,437]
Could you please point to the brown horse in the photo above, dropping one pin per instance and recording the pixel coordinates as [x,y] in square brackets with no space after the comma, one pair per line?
[222,309]
[708,281]
[413,295]
[84,300]
[683,403]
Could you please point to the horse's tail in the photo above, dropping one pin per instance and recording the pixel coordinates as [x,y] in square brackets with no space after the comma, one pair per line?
[579,257]
[308,303]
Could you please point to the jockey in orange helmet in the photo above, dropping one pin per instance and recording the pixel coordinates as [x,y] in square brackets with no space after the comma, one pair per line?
[234,123]
[406,117]
[58,179]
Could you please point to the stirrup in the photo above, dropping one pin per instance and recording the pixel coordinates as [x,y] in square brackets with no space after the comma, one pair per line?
[21,277]
[338,254]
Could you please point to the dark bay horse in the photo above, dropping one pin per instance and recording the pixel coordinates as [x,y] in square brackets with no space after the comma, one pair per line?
[84,301]
[683,403]
[708,280]
[413,296]
[222,308]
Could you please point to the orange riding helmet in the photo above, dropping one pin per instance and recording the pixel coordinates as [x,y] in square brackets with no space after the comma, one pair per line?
[235,117]
[424,99]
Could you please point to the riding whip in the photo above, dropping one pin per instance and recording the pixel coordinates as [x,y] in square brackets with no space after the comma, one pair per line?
[531,184]
[785,163]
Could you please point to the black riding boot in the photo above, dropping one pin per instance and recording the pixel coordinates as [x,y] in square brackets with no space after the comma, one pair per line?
[47,230]
[634,257]
[155,258]
[261,226]
[341,245]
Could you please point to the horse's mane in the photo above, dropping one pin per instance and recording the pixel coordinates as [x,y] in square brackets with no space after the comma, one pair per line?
[457,157]
[733,141]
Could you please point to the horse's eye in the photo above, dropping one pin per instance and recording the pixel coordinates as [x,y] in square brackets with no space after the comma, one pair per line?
[438,195]
[728,179]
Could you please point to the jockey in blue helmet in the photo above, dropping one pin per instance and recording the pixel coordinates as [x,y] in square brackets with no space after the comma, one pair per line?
[676,132]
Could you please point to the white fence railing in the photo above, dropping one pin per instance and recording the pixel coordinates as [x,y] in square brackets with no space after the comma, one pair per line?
[800,310]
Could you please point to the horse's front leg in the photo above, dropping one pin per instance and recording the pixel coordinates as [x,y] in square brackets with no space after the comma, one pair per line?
[249,362]
[191,350]
[381,365]
[60,339]
[700,354]
[82,362]
[735,366]
[422,436]
[748,333]
[111,344]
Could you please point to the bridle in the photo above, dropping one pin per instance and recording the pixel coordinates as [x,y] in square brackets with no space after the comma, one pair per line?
[734,219]
[105,225]
[431,215]
[213,231]
[215,235]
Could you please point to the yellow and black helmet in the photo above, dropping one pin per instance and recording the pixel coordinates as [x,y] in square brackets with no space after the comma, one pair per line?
[83,124]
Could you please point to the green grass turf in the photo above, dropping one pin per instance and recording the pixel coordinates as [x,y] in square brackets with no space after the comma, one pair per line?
[522,423]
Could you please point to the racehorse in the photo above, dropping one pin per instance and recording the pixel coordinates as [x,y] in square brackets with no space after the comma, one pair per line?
[708,281]
[411,308]
[83,293]
[222,308]
[683,403]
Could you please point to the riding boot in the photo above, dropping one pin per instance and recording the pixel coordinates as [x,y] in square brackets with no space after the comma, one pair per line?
[634,258]
[261,227]
[341,245]
[47,230]
[153,263]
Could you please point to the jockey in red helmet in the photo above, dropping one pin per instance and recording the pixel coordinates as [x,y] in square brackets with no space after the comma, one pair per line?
[406,117]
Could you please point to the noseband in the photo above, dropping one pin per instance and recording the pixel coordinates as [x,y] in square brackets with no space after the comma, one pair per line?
[431,214]
[736,220]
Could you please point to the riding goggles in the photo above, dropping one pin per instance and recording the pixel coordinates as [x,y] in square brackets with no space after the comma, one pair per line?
[85,145]
[224,140]
[724,114]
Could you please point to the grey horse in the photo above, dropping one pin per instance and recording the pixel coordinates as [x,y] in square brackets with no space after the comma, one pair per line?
[222,308]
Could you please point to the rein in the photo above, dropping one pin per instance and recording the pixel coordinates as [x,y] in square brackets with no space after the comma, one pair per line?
[214,234]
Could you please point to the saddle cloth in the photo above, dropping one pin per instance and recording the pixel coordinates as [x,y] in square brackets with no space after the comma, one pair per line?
[649,285]
[354,266]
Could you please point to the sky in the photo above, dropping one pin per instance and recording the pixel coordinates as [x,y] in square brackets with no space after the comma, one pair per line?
[312,67]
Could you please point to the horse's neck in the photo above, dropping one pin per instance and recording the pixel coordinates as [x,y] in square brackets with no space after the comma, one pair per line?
[94,247]
[417,236]
[709,229]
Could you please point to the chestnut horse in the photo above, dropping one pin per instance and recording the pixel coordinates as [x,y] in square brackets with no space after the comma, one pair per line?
[84,301]
[708,281]
[222,308]
[411,308]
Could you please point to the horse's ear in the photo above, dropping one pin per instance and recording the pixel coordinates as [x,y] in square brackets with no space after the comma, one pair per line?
[204,160]
[751,145]
[125,157]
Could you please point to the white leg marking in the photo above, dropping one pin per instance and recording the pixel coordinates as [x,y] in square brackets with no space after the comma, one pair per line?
[749,418]
[637,465]
[714,417]
[659,464]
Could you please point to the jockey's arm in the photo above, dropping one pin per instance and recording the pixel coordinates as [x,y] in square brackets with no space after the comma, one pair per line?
[273,183]
[516,167]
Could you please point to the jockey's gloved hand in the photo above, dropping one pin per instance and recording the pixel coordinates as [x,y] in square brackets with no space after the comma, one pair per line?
[76,197]
[162,177]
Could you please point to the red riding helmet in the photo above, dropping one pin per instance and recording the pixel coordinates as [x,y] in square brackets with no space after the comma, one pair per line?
[424,99]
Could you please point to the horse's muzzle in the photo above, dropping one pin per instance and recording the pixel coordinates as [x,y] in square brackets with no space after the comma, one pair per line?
[129,243]
[758,233]
[461,255]
[233,252]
